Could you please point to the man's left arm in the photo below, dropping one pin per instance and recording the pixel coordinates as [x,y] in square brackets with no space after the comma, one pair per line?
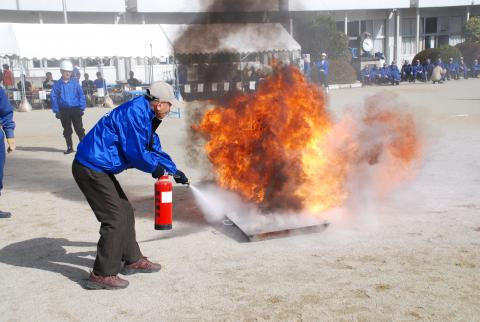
[81,97]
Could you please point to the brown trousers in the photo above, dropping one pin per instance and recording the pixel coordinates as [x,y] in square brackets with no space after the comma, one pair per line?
[117,241]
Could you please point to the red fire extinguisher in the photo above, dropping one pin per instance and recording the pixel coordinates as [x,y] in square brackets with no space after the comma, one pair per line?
[163,204]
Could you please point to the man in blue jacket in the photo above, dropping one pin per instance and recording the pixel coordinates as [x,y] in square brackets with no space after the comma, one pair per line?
[394,74]
[68,104]
[122,139]
[7,126]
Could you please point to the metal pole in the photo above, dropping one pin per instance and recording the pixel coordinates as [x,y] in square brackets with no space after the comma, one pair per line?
[151,64]
[65,18]
[417,33]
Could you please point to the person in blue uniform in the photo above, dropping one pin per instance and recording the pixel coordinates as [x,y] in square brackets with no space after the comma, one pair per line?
[418,72]
[365,75]
[7,127]
[68,104]
[375,75]
[394,74]
[475,70]
[406,72]
[122,139]
[452,69]
[322,70]
[384,74]
[462,68]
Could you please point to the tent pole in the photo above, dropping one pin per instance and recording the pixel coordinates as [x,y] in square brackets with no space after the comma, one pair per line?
[65,18]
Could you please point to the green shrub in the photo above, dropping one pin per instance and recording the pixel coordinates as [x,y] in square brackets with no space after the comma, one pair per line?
[319,34]
[471,29]
[444,52]
[470,51]
[341,72]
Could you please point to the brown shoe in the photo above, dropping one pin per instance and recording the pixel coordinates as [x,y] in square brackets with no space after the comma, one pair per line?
[143,265]
[97,282]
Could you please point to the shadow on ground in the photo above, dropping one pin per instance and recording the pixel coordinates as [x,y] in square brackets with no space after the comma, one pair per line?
[39,149]
[55,177]
[50,255]
[34,175]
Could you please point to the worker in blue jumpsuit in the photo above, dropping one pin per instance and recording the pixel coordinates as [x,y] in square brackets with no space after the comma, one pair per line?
[406,72]
[365,76]
[475,70]
[452,69]
[462,68]
[322,69]
[7,126]
[68,104]
[384,74]
[418,72]
[123,138]
[394,74]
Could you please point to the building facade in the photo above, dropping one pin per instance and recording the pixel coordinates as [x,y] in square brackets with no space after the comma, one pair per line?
[399,28]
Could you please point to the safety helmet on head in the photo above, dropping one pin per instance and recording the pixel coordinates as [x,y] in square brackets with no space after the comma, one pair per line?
[162,92]
[66,65]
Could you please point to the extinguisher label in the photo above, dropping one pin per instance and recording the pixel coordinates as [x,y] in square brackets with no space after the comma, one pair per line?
[166,197]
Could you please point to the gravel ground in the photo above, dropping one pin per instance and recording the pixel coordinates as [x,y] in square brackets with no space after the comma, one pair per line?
[412,256]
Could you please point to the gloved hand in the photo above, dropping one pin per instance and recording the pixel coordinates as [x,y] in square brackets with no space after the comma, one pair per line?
[57,115]
[159,171]
[11,145]
[180,177]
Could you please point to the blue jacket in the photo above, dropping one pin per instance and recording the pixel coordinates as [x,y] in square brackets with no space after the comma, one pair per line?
[6,115]
[67,95]
[322,66]
[393,73]
[120,140]
[417,69]
[100,83]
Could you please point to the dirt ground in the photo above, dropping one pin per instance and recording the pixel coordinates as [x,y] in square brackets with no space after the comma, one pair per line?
[412,256]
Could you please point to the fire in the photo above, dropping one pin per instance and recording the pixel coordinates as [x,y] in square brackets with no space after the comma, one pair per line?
[280,148]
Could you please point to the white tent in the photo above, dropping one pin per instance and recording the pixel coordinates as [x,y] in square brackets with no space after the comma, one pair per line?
[230,38]
[57,41]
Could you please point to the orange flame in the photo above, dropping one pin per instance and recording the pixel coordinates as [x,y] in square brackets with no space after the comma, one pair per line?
[280,149]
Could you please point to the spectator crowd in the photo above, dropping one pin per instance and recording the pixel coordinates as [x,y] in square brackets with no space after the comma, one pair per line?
[437,72]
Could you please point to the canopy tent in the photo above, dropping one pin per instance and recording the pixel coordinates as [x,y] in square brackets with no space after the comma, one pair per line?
[57,41]
[229,38]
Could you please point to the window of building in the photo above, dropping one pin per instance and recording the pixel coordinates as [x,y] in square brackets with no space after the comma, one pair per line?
[408,45]
[408,27]
[36,63]
[378,28]
[53,63]
[443,24]
[366,26]
[353,29]
[431,25]
[340,26]
[456,24]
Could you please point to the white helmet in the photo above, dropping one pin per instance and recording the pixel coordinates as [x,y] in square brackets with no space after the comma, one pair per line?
[66,65]
[163,92]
